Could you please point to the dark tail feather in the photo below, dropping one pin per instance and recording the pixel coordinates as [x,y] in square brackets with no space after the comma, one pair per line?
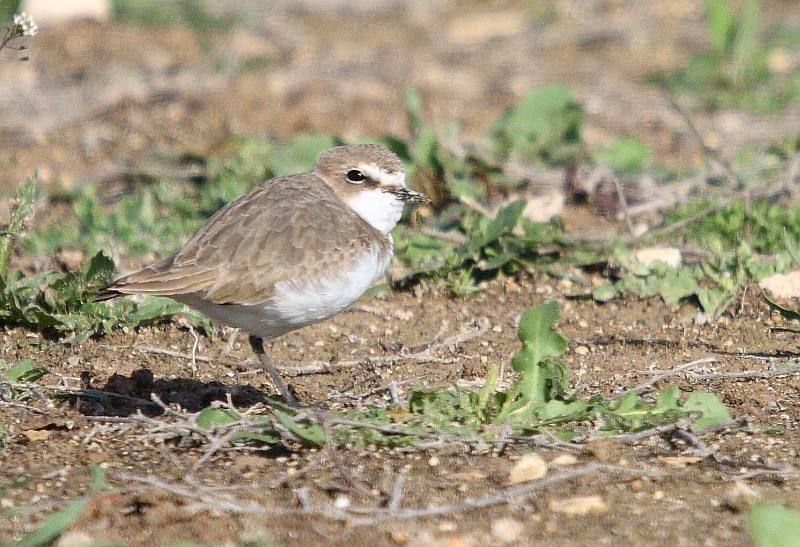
[107,293]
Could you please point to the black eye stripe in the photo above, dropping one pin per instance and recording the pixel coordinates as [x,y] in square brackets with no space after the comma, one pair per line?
[356,176]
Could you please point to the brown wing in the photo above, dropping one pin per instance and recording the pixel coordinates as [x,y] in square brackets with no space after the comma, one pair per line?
[289,228]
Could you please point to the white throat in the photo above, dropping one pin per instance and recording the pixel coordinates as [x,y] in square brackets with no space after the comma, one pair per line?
[381,209]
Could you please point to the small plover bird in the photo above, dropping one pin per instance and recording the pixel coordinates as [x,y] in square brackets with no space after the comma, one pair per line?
[291,252]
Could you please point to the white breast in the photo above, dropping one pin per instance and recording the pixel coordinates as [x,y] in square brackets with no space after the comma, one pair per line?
[302,303]
[381,209]
[298,303]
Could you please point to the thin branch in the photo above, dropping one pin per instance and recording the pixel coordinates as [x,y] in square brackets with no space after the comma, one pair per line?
[746,375]
[641,388]
[397,491]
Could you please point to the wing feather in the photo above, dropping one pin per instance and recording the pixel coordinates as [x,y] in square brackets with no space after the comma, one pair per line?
[288,228]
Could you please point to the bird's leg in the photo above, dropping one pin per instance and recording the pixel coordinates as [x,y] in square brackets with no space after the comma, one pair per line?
[266,363]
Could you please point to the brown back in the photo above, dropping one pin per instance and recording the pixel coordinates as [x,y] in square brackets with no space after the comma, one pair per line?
[289,228]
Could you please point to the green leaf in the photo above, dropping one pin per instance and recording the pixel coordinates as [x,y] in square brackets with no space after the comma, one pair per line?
[544,125]
[99,271]
[792,247]
[745,44]
[773,525]
[20,213]
[712,410]
[99,479]
[24,372]
[211,417]
[714,301]
[537,331]
[54,525]
[605,292]
[667,399]
[626,155]
[253,436]
[312,433]
[557,408]
[721,24]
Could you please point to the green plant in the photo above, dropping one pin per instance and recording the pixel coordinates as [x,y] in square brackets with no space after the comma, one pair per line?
[626,155]
[62,302]
[714,282]
[544,126]
[23,373]
[735,72]
[538,400]
[195,14]
[21,212]
[54,525]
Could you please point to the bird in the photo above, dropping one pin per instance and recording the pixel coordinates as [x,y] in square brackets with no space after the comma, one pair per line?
[293,251]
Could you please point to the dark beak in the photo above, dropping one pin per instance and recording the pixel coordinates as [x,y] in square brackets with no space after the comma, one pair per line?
[409,196]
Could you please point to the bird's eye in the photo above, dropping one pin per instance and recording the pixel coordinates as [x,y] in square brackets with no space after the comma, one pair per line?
[355,176]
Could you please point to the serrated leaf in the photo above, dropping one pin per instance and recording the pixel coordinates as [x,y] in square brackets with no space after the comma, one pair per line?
[712,410]
[98,271]
[537,331]
[211,417]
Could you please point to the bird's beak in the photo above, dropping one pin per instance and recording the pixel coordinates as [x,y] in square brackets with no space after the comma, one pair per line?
[409,196]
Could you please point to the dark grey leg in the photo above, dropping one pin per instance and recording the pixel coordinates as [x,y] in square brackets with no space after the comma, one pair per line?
[266,363]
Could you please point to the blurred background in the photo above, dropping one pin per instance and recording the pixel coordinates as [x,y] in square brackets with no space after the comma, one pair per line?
[486,101]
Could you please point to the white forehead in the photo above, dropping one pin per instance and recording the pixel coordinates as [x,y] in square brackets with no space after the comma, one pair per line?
[382,176]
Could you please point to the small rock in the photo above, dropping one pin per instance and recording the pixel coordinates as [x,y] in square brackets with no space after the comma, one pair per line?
[404,315]
[399,536]
[782,285]
[507,530]
[739,497]
[342,502]
[47,12]
[671,256]
[580,505]
[479,28]
[581,350]
[249,462]
[564,460]
[544,207]
[34,435]
[448,526]
[433,461]
[530,467]
[70,539]
[73,361]
[457,541]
